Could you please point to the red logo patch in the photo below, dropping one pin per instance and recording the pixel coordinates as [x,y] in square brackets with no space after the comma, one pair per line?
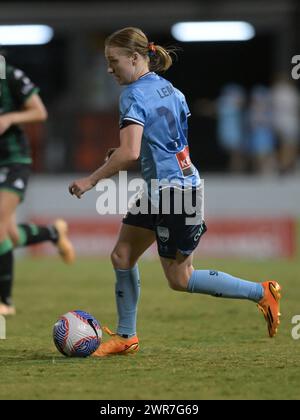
[184,161]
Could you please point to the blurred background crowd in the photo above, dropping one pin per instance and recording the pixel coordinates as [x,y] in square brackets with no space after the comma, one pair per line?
[243,133]
[258,128]
[244,102]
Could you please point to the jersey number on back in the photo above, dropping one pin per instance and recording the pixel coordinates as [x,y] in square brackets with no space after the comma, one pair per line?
[166,113]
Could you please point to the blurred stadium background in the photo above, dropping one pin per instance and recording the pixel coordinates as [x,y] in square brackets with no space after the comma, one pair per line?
[83,112]
[252,207]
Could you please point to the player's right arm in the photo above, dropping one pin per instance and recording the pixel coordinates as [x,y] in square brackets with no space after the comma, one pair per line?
[28,106]
[122,158]
[33,110]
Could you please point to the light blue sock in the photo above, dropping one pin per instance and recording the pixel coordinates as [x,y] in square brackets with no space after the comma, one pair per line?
[220,284]
[127,296]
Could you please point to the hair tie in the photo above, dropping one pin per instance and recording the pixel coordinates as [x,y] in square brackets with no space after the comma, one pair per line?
[152,49]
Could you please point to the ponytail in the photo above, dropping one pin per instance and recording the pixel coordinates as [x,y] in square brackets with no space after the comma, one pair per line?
[160,58]
[134,40]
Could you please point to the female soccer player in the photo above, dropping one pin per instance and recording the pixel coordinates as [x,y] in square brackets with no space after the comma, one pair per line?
[153,126]
[20,104]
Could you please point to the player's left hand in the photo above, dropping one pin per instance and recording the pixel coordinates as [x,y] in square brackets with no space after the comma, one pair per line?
[80,186]
[5,123]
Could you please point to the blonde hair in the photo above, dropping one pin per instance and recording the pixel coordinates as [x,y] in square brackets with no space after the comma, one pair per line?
[134,40]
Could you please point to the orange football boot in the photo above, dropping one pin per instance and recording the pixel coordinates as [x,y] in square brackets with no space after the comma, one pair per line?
[117,345]
[269,305]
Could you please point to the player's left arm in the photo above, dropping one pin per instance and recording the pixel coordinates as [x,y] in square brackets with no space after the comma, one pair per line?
[33,110]
[121,159]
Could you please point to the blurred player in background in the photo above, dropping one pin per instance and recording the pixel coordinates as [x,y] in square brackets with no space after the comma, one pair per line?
[20,104]
[153,126]
[286,112]
[230,111]
[261,137]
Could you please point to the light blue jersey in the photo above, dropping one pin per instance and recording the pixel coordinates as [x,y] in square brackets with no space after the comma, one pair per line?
[161,109]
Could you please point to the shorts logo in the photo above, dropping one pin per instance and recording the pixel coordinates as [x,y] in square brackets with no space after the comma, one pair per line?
[19,183]
[3,177]
[198,234]
[163,233]
[3,174]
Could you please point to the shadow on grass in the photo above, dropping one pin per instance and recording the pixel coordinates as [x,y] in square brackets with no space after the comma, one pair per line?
[36,357]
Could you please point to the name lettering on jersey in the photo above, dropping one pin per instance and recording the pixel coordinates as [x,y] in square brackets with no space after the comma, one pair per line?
[165,91]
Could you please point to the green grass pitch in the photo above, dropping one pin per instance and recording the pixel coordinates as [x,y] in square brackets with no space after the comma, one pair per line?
[192,346]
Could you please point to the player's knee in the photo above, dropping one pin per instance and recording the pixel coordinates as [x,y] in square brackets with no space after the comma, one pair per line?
[3,231]
[115,258]
[121,259]
[14,237]
[3,221]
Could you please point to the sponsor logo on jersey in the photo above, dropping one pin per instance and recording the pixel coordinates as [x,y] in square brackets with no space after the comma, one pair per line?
[184,161]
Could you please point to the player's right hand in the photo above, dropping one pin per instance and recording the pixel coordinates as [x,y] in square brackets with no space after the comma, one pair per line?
[80,186]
